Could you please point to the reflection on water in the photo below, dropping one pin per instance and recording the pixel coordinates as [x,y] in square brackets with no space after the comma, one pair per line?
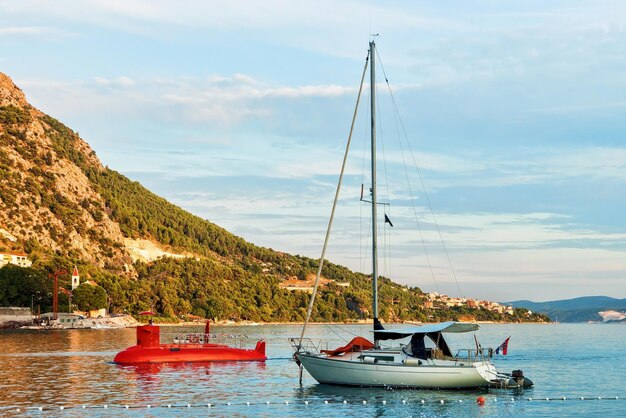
[74,367]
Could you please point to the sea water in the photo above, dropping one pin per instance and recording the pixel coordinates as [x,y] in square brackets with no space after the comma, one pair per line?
[70,373]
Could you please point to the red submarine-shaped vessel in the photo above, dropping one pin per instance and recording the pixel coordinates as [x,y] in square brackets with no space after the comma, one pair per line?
[185,348]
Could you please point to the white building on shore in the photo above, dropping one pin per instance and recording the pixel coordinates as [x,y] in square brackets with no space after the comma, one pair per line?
[19,259]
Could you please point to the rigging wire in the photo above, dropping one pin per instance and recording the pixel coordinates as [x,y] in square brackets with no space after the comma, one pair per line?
[332,329]
[332,213]
[362,251]
[344,330]
[387,231]
[419,225]
[432,212]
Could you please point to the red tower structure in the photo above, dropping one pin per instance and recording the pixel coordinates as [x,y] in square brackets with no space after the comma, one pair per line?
[55,292]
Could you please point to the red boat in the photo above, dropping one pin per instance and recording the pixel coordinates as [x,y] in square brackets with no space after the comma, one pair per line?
[186,348]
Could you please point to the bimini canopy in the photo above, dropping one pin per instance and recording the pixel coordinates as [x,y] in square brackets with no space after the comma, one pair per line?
[451,326]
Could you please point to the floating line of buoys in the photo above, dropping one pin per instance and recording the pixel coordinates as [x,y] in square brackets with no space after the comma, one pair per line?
[481,400]
[577,398]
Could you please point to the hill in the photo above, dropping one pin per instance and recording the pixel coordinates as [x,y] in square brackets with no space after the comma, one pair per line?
[582,309]
[62,207]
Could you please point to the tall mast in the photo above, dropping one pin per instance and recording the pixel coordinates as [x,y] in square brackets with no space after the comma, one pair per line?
[374,217]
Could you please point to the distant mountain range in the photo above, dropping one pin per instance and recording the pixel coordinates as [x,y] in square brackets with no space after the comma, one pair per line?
[583,309]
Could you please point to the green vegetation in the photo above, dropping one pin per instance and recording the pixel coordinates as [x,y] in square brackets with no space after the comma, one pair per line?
[12,115]
[24,286]
[65,142]
[175,288]
[87,297]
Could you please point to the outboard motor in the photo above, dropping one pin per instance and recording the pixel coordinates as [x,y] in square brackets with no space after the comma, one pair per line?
[518,377]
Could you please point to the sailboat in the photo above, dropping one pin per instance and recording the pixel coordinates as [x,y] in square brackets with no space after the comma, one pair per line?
[426,361]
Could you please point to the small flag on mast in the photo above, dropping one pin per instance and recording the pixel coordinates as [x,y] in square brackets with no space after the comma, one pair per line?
[387,220]
[504,347]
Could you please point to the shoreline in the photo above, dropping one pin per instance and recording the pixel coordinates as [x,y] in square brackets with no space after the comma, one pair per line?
[128,321]
[360,322]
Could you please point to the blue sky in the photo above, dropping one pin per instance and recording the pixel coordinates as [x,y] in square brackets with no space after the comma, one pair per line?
[239,112]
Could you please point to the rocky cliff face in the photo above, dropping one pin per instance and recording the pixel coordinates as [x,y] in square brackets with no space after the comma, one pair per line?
[46,199]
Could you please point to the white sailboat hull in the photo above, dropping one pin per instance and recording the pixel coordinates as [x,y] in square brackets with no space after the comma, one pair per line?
[350,372]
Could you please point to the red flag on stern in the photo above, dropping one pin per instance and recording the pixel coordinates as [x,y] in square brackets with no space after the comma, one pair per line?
[504,347]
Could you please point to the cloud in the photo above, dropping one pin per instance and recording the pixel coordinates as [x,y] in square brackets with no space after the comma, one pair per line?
[238,111]
[43,32]
[529,166]
[487,249]
[229,101]
[225,100]
[22,30]
[331,28]
[199,13]
[578,109]
[249,89]
[122,82]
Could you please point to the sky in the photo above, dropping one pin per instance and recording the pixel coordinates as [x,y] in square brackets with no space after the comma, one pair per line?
[239,112]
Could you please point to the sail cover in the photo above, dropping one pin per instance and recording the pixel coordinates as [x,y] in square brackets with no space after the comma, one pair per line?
[357,344]
[451,326]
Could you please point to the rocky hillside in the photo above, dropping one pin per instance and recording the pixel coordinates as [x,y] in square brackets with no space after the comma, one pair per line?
[62,207]
[56,195]
[47,201]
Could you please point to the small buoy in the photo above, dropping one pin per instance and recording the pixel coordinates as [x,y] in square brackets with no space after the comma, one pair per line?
[188,405]
[326,402]
[267,403]
[460,400]
[599,398]
[617,397]
[404,401]
[126,406]
[441,402]
[480,400]
[306,402]
[169,405]
[148,406]
[512,399]
[563,398]
[84,406]
[547,399]
[208,405]
[106,406]
[422,401]
[40,408]
[286,402]
[344,401]
[384,402]
[495,399]
[228,403]
[530,399]
[17,410]
[248,403]
[364,402]
[61,408]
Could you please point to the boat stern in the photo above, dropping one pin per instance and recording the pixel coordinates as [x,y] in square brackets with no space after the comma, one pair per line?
[260,348]
[514,380]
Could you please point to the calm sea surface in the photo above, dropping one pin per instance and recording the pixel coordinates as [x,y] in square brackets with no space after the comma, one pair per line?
[69,369]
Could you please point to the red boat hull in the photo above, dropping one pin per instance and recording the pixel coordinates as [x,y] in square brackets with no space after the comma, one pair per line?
[150,350]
